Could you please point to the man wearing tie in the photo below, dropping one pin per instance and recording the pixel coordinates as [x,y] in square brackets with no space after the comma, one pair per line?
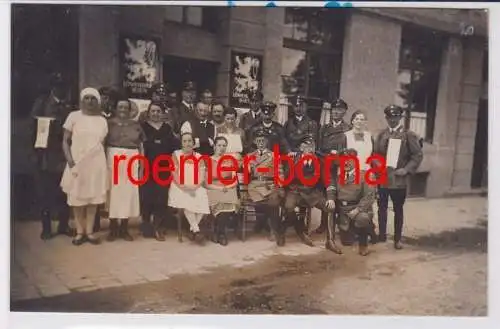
[403,153]
[300,125]
[308,195]
[186,109]
[332,140]
[53,110]
[202,129]
[253,116]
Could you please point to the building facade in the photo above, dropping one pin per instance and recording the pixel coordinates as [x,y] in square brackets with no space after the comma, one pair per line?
[433,62]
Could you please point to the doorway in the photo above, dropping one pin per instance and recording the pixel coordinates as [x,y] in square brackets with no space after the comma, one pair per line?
[177,70]
[44,40]
[480,162]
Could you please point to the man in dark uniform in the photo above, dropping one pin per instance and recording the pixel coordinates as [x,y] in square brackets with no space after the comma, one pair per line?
[202,129]
[332,140]
[274,130]
[300,125]
[261,189]
[355,204]
[51,162]
[310,195]
[253,116]
[408,160]
[187,108]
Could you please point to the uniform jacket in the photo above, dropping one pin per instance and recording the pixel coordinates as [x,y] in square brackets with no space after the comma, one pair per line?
[184,112]
[52,158]
[247,120]
[332,137]
[410,155]
[275,133]
[296,130]
[264,160]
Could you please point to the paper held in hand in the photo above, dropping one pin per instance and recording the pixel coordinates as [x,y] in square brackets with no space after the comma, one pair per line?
[42,132]
[393,152]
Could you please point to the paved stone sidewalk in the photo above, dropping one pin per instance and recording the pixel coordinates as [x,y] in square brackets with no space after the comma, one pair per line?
[56,267]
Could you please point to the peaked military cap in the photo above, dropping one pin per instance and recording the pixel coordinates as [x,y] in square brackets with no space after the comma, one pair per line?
[348,152]
[255,95]
[159,88]
[260,132]
[393,111]
[307,139]
[56,79]
[268,108]
[189,85]
[300,99]
[340,104]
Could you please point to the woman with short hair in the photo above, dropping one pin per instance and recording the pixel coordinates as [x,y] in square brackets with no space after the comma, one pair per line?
[85,178]
[124,139]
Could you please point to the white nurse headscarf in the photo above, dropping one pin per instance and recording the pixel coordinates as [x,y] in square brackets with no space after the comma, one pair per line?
[91,92]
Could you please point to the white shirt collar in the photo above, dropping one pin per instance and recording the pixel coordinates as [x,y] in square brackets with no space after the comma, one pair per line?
[187,104]
[337,123]
[254,114]
[299,117]
[397,128]
[267,125]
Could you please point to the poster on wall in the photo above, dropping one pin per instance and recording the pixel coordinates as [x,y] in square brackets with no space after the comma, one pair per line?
[139,65]
[245,75]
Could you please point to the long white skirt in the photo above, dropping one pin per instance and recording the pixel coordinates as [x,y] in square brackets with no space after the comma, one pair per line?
[179,198]
[123,197]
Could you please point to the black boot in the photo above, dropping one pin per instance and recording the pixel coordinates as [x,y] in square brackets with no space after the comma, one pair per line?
[323,226]
[301,230]
[146,227]
[46,226]
[63,222]
[157,228]
[330,236]
[221,223]
[113,230]
[124,234]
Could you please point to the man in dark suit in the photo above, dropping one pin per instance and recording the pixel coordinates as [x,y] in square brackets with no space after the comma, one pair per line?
[406,146]
[50,157]
[300,126]
[187,108]
[253,116]
[202,129]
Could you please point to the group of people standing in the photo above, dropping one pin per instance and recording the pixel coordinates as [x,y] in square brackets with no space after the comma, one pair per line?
[106,125]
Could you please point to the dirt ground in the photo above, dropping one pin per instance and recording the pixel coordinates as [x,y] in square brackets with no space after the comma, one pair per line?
[444,274]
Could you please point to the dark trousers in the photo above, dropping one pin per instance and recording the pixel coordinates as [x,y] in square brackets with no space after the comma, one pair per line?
[52,201]
[398,197]
[362,234]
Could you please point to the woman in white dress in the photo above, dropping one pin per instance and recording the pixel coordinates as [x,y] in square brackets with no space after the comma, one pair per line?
[186,192]
[85,178]
[222,192]
[360,139]
[124,139]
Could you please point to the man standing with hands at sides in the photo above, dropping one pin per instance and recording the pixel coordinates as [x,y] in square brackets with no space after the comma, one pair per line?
[403,154]
[187,108]
[202,131]
[50,112]
[332,140]
[253,116]
[300,126]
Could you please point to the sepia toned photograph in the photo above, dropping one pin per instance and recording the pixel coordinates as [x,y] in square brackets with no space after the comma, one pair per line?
[107,101]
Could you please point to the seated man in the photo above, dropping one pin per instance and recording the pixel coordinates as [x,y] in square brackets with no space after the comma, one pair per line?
[261,189]
[355,204]
[301,195]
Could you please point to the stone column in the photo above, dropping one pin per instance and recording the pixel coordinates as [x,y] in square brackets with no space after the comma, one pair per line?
[439,156]
[370,66]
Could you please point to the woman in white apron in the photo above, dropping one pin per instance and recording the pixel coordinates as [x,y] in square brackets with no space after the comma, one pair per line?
[124,139]
[85,178]
[186,193]
[360,139]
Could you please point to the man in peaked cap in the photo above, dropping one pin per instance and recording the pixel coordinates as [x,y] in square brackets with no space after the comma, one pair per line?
[50,157]
[300,125]
[332,139]
[355,204]
[303,195]
[409,159]
[261,189]
[253,116]
[187,108]
[274,130]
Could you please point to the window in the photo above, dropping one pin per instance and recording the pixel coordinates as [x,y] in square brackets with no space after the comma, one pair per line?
[204,17]
[312,55]
[418,82]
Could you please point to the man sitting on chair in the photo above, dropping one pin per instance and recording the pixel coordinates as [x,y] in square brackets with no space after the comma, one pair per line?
[308,195]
